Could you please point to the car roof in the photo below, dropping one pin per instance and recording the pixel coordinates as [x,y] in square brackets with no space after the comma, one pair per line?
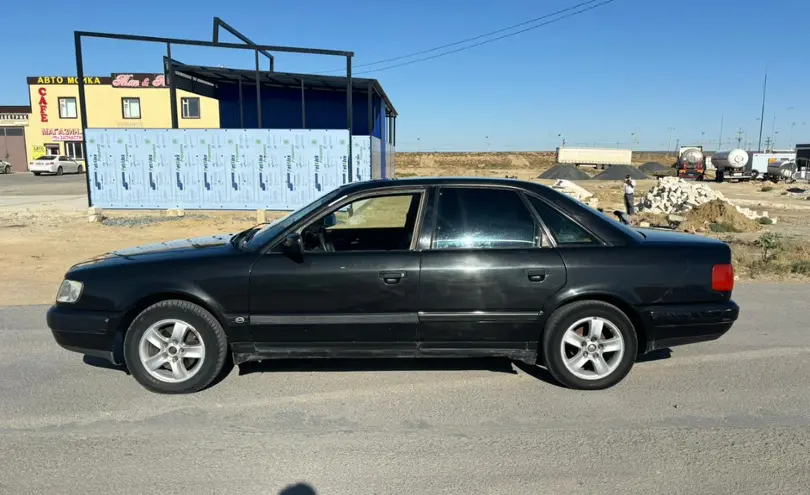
[438,181]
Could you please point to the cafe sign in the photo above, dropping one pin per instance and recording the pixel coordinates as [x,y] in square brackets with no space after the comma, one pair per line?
[89,80]
[63,134]
[138,81]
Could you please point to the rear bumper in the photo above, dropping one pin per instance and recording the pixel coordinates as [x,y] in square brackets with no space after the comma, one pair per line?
[669,326]
[46,169]
[93,333]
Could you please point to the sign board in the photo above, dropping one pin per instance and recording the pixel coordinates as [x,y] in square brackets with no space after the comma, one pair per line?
[58,134]
[139,81]
[89,80]
[231,169]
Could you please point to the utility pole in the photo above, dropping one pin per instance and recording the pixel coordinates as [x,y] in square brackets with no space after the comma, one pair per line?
[669,144]
[767,144]
[773,129]
[702,133]
[720,140]
[762,114]
[740,134]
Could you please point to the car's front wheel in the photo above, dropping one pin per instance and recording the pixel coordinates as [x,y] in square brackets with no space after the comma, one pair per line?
[589,345]
[175,347]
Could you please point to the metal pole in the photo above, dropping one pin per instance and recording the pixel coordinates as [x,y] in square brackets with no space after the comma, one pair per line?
[762,114]
[669,144]
[258,93]
[395,131]
[172,86]
[720,140]
[303,107]
[349,110]
[773,129]
[370,113]
[77,41]
[241,105]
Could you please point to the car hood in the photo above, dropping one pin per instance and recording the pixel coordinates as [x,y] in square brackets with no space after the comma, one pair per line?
[178,244]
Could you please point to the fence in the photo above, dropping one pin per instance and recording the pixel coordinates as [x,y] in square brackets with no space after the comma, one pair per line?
[227,169]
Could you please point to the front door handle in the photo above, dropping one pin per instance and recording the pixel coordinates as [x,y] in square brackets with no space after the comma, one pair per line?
[392,278]
[536,275]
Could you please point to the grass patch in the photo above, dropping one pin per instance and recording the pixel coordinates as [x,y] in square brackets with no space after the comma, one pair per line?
[766,188]
[770,257]
[723,227]
[764,221]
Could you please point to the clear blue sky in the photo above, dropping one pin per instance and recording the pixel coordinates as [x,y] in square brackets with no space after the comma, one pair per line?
[632,66]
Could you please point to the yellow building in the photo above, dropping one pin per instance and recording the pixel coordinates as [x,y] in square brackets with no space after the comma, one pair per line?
[120,100]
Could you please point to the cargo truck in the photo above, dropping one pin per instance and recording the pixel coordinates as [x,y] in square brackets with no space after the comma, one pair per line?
[595,157]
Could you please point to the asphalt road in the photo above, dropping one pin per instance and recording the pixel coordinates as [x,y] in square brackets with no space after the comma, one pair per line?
[731,416]
[25,184]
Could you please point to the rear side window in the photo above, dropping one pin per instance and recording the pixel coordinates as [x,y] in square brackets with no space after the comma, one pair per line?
[564,230]
[483,218]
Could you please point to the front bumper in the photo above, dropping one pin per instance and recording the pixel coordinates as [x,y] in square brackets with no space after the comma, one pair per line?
[93,333]
[669,326]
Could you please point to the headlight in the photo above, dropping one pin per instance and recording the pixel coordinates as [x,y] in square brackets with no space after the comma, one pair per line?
[69,291]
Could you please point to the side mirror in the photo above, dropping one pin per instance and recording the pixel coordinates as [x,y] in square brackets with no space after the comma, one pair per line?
[294,243]
[329,220]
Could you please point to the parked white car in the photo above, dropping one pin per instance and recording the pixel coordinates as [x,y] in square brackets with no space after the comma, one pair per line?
[55,164]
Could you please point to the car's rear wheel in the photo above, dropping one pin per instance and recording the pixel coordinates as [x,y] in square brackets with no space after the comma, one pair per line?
[175,347]
[79,169]
[59,171]
[7,170]
[589,345]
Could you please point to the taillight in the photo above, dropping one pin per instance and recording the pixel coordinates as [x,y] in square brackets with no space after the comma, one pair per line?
[723,278]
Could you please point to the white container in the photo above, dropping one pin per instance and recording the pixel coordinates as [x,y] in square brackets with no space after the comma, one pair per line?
[735,158]
[594,156]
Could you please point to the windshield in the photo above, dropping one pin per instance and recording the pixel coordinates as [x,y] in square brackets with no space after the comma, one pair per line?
[47,157]
[268,232]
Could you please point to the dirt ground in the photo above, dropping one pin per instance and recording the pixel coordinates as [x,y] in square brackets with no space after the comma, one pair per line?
[37,246]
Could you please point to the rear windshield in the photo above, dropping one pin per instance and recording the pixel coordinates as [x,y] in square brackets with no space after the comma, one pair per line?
[47,157]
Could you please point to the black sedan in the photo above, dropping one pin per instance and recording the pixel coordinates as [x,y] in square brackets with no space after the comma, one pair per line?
[449,268]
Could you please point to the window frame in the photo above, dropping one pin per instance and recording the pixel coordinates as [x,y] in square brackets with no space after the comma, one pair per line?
[76,145]
[183,100]
[274,246]
[123,107]
[540,226]
[599,241]
[75,107]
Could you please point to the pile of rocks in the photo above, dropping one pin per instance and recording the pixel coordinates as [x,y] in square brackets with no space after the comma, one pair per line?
[577,192]
[675,195]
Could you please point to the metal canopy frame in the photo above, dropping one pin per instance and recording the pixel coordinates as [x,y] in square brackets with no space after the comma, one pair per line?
[249,45]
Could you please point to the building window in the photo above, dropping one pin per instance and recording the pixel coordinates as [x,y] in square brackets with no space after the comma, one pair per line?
[73,149]
[191,108]
[131,108]
[67,108]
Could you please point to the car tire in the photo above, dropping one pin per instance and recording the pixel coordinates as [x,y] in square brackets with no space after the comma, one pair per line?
[586,365]
[59,171]
[7,169]
[172,373]
[37,173]
[79,169]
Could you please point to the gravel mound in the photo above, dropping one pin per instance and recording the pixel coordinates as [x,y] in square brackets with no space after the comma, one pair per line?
[619,172]
[653,167]
[566,172]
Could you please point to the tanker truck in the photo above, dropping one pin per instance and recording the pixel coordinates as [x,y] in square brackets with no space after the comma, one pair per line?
[732,165]
[691,162]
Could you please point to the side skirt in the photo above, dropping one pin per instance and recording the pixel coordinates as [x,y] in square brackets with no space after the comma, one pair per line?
[246,352]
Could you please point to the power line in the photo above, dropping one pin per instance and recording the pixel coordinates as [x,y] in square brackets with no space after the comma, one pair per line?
[467,40]
[457,50]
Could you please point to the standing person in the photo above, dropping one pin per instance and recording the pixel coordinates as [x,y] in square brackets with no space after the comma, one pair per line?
[629,191]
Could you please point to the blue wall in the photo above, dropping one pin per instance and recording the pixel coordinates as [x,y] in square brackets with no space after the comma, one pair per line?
[281,109]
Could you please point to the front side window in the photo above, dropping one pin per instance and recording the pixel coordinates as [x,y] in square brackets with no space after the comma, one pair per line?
[484,218]
[67,108]
[564,230]
[378,223]
[190,108]
[131,108]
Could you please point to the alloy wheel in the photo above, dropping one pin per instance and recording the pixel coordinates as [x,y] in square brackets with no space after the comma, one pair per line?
[592,348]
[171,351]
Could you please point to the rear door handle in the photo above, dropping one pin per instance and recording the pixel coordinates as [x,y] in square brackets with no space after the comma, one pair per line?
[536,275]
[392,278]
